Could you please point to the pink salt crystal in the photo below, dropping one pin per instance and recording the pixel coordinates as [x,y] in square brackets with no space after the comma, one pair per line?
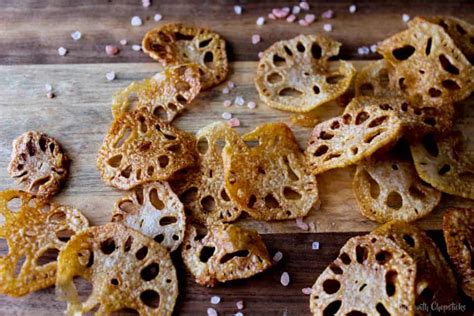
[211,312]
[285,279]
[240,305]
[256,39]
[329,14]
[310,18]
[231,84]
[281,13]
[307,290]
[123,42]
[225,90]
[62,51]
[260,54]
[302,225]
[111,50]
[303,23]
[291,18]
[251,105]
[277,256]
[146,3]
[227,103]
[271,16]
[233,122]
[304,5]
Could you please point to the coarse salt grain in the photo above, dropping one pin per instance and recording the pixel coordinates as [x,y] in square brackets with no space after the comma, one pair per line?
[260,20]
[310,18]
[315,245]
[215,300]
[136,21]
[225,90]
[303,23]
[277,256]
[271,16]
[239,100]
[123,42]
[110,76]
[50,95]
[62,51]
[280,13]
[238,9]
[296,10]
[226,115]
[327,27]
[146,3]
[352,8]
[251,105]
[301,224]
[329,14]
[285,279]
[137,48]
[227,103]
[111,50]
[76,35]
[48,87]
[157,17]
[239,314]
[256,39]
[307,290]
[304,5]
[405,18]
[211,312]
[260,54]
[240,305]
[373,48]
[231,84]
[233,122]
[364,50]
[291,18]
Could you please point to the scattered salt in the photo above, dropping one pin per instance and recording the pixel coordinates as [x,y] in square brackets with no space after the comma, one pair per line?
[327,27]
[238,9]
[146,3]
[137,48]
[76,35]
[227,103]
[373,48]
[123,42]
[281,13]
[260,20]
[307,290]
[157,17]
[301,224]
[296,10]
[211,312]
[256,39]
[226,115]
[291,18]
[225,90]
[233,122]
[405,18]
[364,50]
[352,8]
[136,21]
[277,256]
[62,51]
[239,314]
[239,100]
[50,95]
[285,279]
[303,23]
[48,87]
[310,18]
[271,16]
[231,84]
[215,300]
[110,76]
[111,50]
[240,305]
[304,5]
[329,14]
[315,245]
[251,105]
[260,54]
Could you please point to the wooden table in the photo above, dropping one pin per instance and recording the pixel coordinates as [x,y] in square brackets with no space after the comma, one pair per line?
[79,116]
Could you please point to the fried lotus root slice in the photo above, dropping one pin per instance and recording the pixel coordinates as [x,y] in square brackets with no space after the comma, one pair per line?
[377,80]
[435,280]
[155,211]
[175,43]
[35,231]
[38,164]
[165,95]
[445,163]
[227,252]
[353,136]
[126,270]
[269,178]
[458,228]
[390,189]
[140,148]
[371,276]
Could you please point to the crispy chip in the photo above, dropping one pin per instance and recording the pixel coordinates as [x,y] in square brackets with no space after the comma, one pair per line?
[227,252]
[140,148]
[357,134]
[35,231]
[269,179]
[38,164]
[294,75]
[377,80]
[126,269]
[155,211]
[444,162]
[371,276]
[435,280]
[175,43]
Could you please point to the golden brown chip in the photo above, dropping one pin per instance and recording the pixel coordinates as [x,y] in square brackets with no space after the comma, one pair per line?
[269,178]
[444,162]
[225,253]
[140,148]
[371,276]
[35,232]
[294,75]
[435,280]
[175,43]
[458,228]
[155,211]
[165,95]
[377,80]
[126,270]
[38,164]
[353,136]
[390,189]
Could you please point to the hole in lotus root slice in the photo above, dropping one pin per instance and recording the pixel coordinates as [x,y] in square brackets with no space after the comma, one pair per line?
[131,281]
[433,272]
[155,211]
[270,181]
[175,44]
[226,252]
[295,75]
[38,164]
[165,95]
[159,140]
[357,286]
[29,262]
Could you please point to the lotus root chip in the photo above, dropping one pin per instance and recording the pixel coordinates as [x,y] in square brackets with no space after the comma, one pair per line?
[140,148]
[154,210]
[458,229]
[166,94]
[38,164]
[226,252]
[371,276]
[269,177]
[295,75]
[175,44]
[34,231]
[377,80]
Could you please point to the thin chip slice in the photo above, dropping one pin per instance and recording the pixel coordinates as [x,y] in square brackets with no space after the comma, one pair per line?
[444,162]
[38,164]
[371,276]
[390,189]
[458,228]
[140,148]
[377,80]
[155,211]
[226,252]
[435,280]
[269,177]
[295,75]
[126,270]
[165,95]
[175,44]
[35,232]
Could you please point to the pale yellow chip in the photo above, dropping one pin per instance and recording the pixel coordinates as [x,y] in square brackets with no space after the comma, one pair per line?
[377,80]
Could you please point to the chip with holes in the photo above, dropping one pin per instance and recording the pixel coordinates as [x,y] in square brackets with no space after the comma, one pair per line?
[445,163]
[295,75]
[377,80]
[38,164]
[371,276]
[353,136]
[126,270]
[140,148]
[390,189]
[226,252]
[435,280]
[175,44]
[155,211]
[458,228]
[35,231]
[165,95]
[268,176]
[202,189]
